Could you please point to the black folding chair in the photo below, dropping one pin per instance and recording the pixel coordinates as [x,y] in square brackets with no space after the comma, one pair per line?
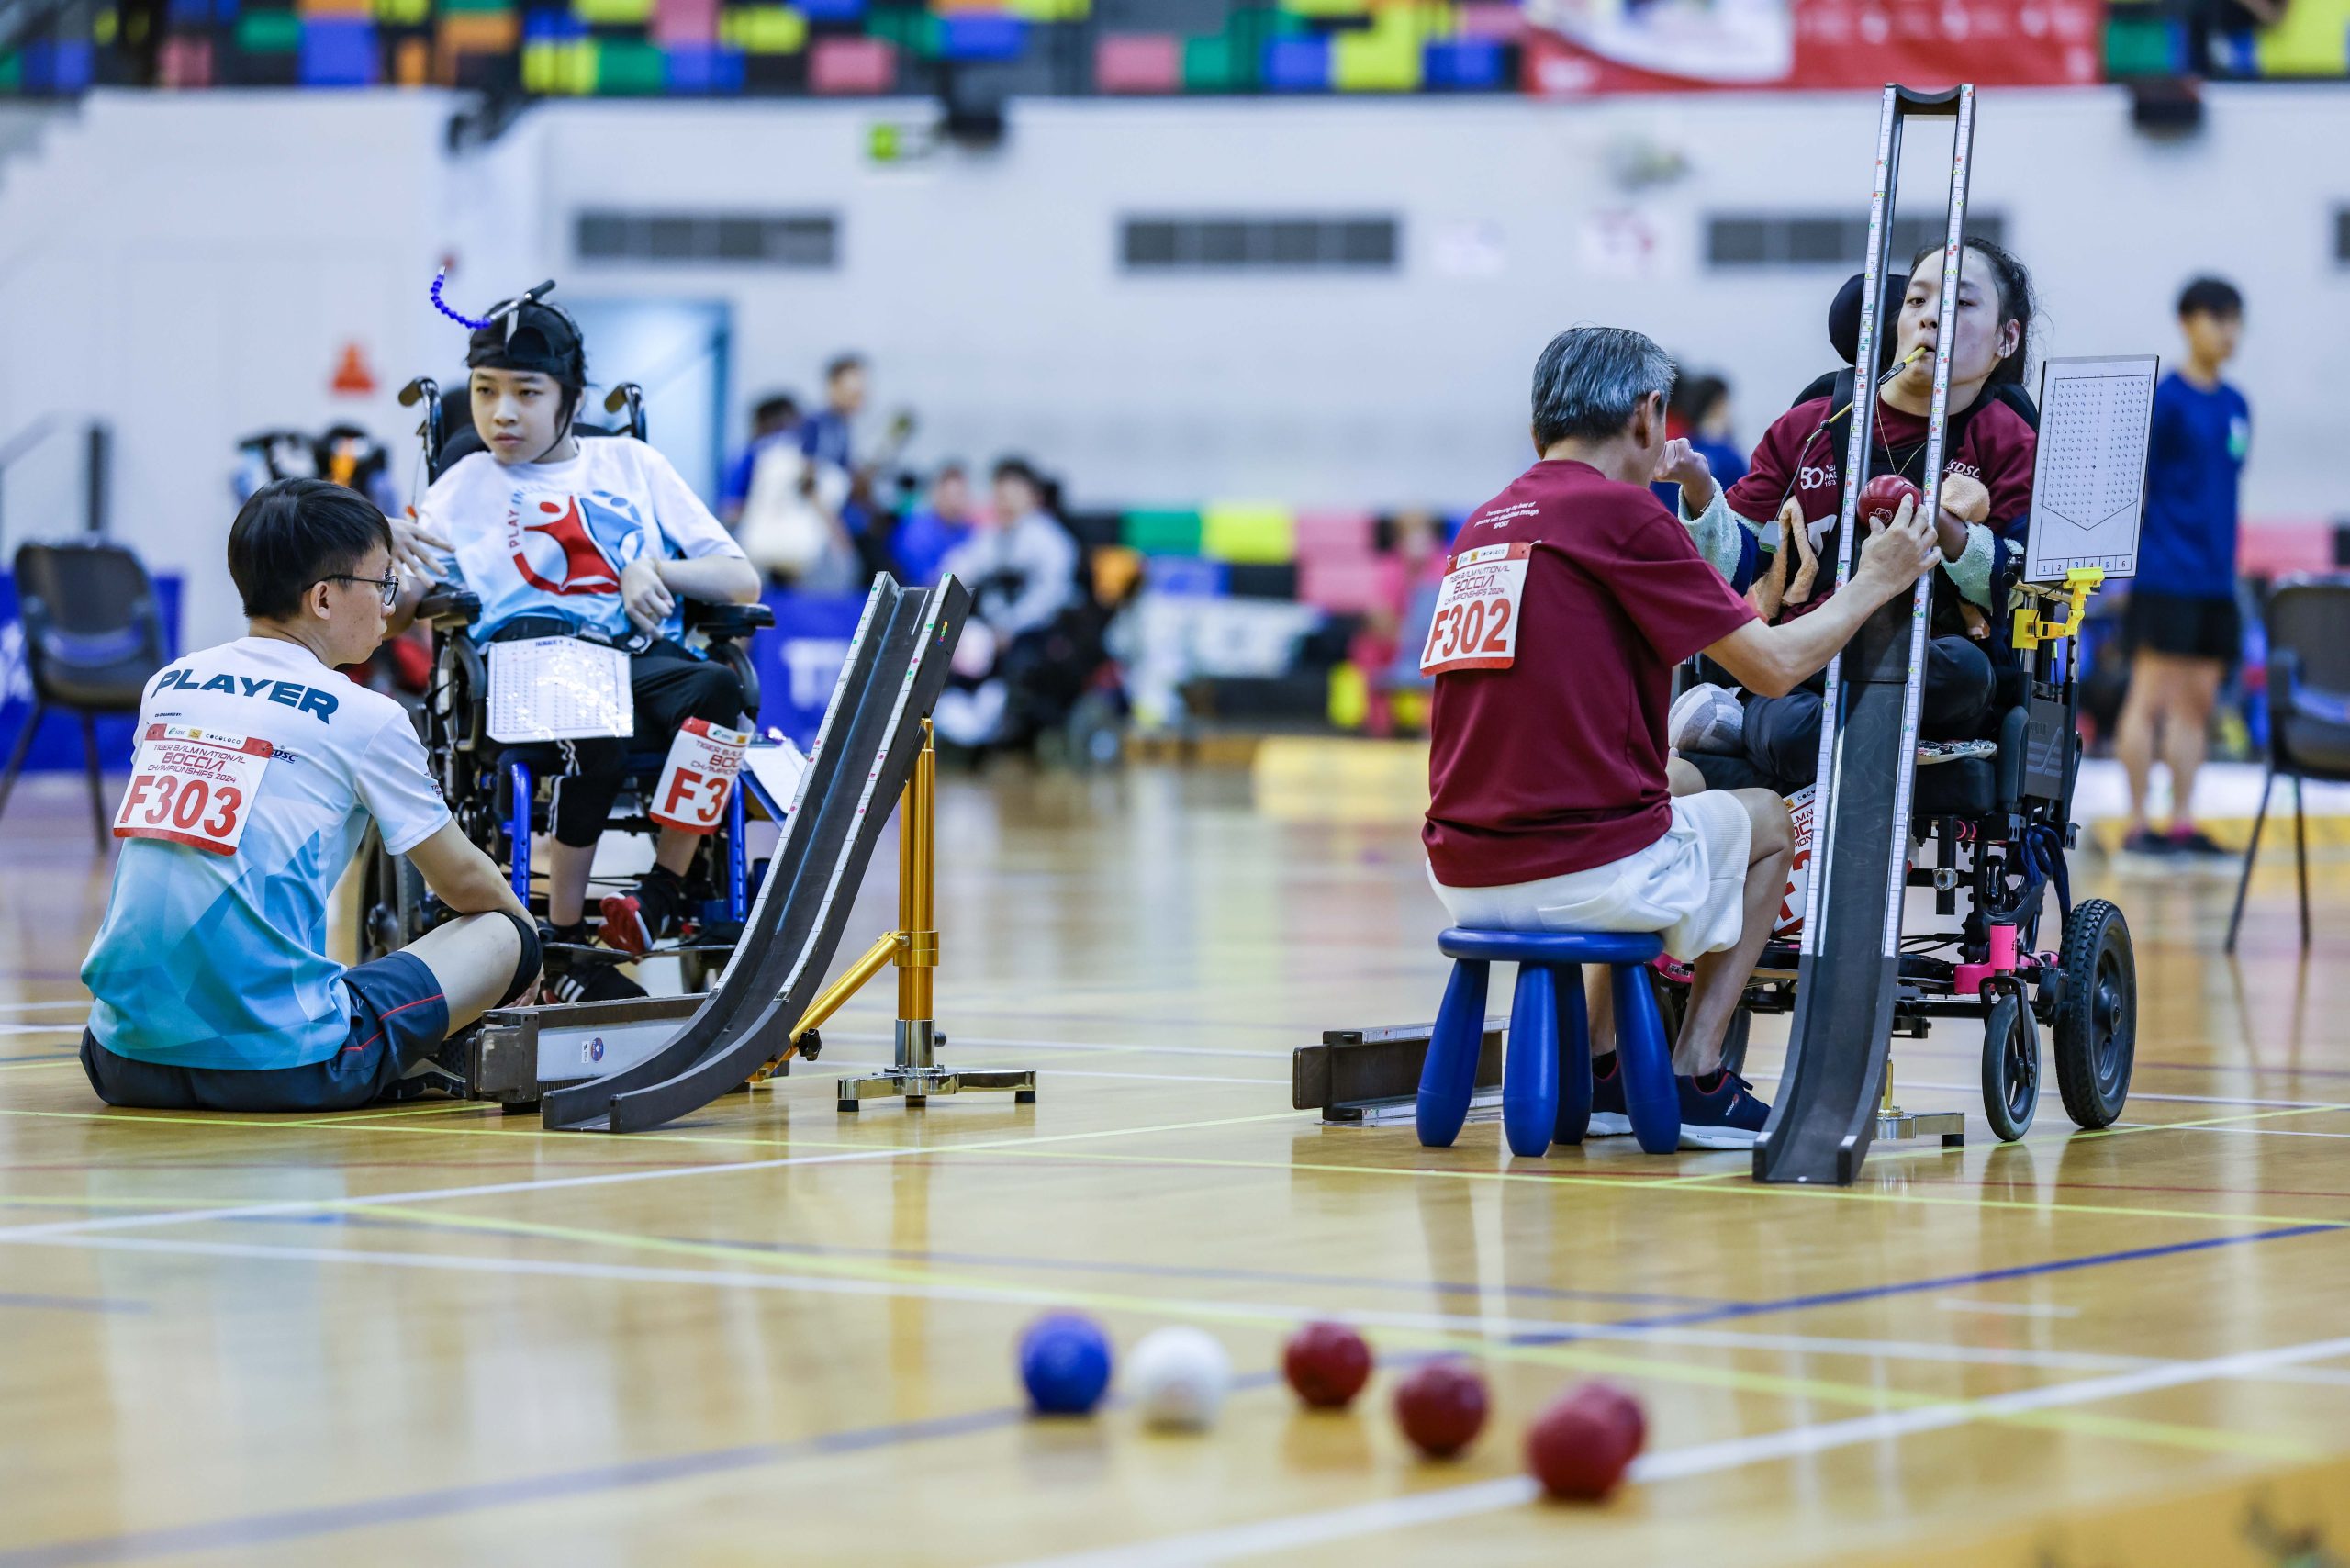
[94,638]
[2309,710]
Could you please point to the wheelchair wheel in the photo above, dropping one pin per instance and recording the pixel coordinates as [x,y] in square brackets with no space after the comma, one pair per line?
[2010,1068]
[391,901]
[2097,1024]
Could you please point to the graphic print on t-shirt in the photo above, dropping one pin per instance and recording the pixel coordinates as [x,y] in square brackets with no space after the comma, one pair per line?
[574,544]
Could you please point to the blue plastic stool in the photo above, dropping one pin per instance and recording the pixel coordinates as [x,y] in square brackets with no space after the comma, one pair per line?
[1545,1075]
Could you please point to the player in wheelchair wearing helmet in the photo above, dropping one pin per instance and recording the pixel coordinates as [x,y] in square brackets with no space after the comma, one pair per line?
[1796,483]
[598,539]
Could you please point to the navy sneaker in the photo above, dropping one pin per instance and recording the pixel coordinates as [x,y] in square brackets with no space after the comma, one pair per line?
[1608,1117]
[1717,1112]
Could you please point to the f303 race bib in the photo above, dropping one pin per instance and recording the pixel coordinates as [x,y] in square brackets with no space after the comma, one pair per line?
[703,761]
[1477,610]
[193,786]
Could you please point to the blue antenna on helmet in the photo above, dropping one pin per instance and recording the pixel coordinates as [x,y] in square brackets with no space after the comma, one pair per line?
[443,305]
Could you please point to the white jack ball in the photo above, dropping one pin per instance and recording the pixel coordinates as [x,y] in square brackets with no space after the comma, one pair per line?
[1178,1378]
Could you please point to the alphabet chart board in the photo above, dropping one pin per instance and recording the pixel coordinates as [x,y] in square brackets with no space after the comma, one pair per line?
[551,688]
[2088,488]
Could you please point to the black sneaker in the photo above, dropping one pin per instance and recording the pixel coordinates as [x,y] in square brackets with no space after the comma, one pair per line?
[634,922]
[1718,1112]
[2146,841]
[1609,1116]
[592,981]
[2196,842]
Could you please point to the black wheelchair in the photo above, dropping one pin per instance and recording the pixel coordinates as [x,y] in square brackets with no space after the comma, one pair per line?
[1989,835]
[501,794]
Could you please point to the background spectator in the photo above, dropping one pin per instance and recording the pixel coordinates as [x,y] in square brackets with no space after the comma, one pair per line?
[774,416]
[932,530]
[2182,625]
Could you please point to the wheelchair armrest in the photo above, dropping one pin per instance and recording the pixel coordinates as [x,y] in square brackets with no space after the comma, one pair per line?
[449,607]
[719,622]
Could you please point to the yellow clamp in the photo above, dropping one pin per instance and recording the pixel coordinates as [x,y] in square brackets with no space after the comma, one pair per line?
[2079,583]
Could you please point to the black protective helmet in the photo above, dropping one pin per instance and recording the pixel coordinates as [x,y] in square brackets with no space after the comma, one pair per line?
[526,334]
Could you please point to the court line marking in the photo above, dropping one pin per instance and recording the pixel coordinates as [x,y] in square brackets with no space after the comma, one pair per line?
[1025,1147]
[553,1183]
[1546,1347]
[39,1303]
[46,1006]
[1545,1344]
[2009,1308]
[254,1530]
[2264,1132]
[1701,1186]
[1231,1543]
[1233,1276]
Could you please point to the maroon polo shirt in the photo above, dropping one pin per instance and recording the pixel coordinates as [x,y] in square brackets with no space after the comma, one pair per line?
[1557,763]
[1797,456]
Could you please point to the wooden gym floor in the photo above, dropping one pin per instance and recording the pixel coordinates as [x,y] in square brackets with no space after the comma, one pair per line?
[776,1335]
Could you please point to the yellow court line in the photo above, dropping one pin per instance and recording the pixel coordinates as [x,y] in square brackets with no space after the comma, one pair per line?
[1570,1356]
[71,1059]
[1751,1188]
[1700,1184]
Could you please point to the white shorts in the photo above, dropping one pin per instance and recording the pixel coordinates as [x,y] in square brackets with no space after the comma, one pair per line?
[1690,886]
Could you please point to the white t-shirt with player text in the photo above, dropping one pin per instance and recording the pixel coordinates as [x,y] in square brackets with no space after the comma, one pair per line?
[214,960]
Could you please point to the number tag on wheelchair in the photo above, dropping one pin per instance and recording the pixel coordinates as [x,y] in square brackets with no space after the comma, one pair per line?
[703,761]
[1477,610]
[193,786]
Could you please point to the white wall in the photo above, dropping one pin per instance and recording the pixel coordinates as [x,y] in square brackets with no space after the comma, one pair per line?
[187,267]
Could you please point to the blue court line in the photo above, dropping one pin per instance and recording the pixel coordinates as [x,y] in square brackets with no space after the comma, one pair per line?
[1944,1282]
[259,1529]
[70,1302]
[47,1055]
[252,1531]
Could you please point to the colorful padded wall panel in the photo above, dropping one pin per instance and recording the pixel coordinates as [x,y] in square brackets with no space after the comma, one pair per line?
[1073,47]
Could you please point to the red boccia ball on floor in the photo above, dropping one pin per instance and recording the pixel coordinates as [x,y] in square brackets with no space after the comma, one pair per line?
[1441,1407]
[1580,1447]
[1328,1363]
[1882,496]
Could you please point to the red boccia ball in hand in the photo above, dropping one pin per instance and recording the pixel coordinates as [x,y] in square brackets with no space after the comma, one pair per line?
[1441,1407]
[1882,496]
[1328,1363]
[1581,1445]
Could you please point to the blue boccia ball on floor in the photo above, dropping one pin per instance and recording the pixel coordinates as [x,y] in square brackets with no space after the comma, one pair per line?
[1064,1362]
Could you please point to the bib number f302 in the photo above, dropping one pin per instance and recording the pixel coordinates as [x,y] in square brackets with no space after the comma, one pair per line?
[1477,610]
[193,786]
[695,781]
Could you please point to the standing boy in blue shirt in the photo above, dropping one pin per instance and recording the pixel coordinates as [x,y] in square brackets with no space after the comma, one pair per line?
[2182,625]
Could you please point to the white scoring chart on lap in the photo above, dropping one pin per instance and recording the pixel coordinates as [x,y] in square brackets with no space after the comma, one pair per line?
[547,688]
[2088,488]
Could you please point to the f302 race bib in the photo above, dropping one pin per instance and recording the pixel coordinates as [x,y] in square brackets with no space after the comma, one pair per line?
[1477,610]
[702,763]
[193,786]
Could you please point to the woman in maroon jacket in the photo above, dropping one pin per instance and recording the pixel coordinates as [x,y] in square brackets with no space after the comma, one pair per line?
[1796,480]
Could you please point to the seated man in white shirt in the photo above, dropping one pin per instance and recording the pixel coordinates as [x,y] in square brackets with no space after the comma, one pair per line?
[1021,566]
[259,769]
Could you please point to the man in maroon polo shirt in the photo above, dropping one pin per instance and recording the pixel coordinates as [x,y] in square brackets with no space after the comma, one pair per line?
[1554,804]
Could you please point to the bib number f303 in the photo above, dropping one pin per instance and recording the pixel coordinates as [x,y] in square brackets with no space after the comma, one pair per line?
[1477,610]
[193,786]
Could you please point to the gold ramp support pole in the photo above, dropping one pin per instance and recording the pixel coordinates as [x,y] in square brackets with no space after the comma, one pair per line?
[914,1074]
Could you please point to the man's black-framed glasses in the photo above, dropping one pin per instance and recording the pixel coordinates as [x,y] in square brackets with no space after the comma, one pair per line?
[389,584]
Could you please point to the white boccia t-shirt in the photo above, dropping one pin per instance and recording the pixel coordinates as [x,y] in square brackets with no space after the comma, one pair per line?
[214,960]
[554,537]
